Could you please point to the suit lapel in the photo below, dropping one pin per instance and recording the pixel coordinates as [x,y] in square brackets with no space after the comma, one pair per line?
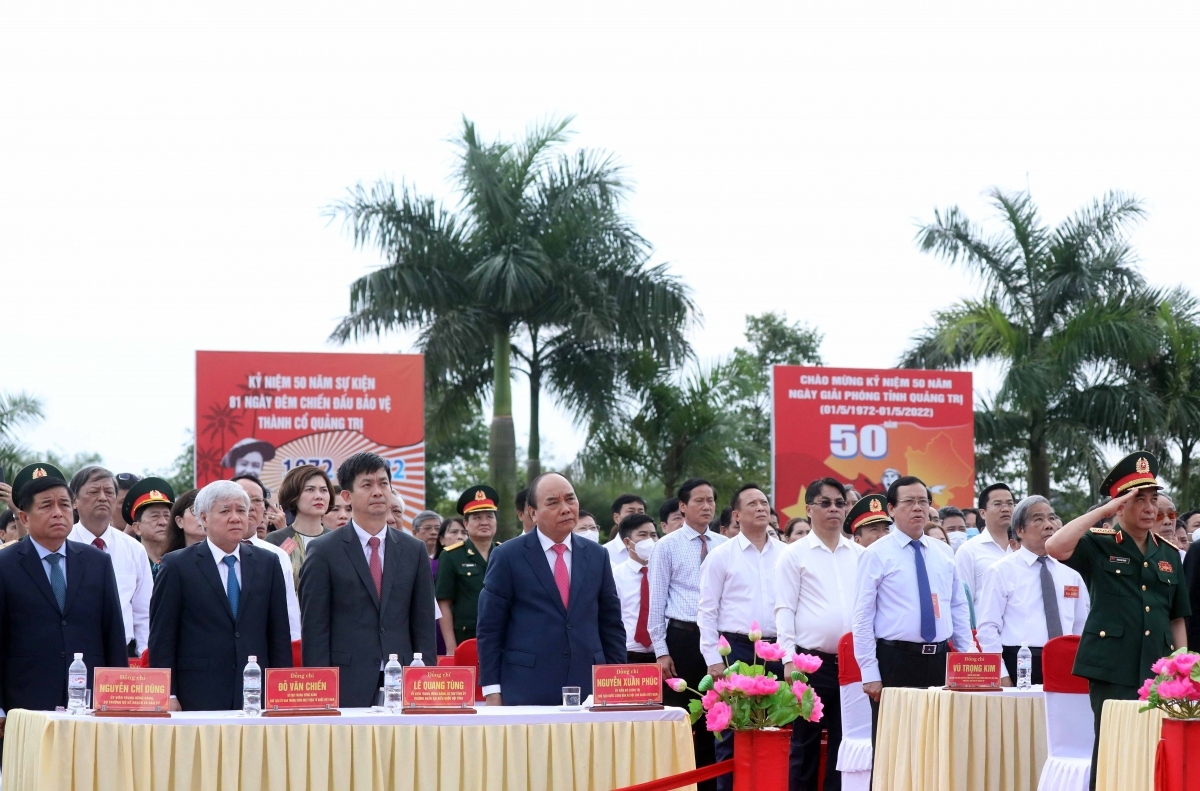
[391,564]
[208,569]
[249,571]
[358,559]
[74,571]
[579,571]
[541,568]
[36,570]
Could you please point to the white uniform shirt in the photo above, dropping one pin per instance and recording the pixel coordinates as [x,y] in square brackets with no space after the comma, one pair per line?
[289,584]
[737,586]
[974,557]
[886,605]
[617,552]
[135,581]
[675,580]
[814,593]
[628,576]
[1010,610]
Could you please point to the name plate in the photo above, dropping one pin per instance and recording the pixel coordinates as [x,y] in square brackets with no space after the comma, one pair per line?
[445,689]
[129,691]
[636,686]
[300,691]
[972,672]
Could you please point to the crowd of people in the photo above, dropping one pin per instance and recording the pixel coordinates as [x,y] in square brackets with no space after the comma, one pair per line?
[329,573]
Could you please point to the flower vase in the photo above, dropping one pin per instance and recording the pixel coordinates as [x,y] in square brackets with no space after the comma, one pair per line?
[760,759]
[1177,762]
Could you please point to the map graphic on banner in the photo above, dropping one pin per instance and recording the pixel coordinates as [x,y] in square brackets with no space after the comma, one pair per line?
[267,412]
[867,427]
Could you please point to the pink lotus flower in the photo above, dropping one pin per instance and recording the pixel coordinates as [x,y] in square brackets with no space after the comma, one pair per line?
[818,709]
[721,685]
[1184,663]
[771,652]
[710,699]
[677,684]
[1172,688]
[1164,665]
[718,717]
[799,688]
[1144,691]
[723,647]
[806,663]
[755,633]
[1194,692]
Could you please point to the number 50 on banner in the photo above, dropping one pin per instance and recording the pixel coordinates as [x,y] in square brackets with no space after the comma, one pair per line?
[846,441]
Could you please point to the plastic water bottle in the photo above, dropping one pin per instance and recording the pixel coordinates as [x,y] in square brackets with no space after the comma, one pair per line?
[417,661]
[252,688]
[1024,667]
[393,694]
[77,686]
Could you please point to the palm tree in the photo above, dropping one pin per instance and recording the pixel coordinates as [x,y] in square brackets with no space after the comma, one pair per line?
[17,410]
[1060,306]
[539,267]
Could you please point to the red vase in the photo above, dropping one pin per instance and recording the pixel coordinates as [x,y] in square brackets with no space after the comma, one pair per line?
[1177,762]
[760,760]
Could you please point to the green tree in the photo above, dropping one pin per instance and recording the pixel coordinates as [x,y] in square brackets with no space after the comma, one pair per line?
[540,266]
[455,454]
[18,410]
[1060,307]
[182,472]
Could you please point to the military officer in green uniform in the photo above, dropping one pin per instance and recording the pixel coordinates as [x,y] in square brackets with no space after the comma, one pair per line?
[461,566]
[1135,580]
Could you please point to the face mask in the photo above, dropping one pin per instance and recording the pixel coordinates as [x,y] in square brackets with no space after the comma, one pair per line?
[590,535]
[644,548]
[972,532]
[957,539]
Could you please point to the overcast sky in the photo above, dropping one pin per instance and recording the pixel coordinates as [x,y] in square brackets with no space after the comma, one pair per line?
[163,167]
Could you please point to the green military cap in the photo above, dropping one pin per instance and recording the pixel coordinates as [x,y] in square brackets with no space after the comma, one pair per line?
[1138,470]
[867,511]
[478,498]
[147,491]
[35,478]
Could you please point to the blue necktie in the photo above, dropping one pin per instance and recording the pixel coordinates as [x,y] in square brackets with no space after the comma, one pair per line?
[58,583]
[928,624]
[235,590]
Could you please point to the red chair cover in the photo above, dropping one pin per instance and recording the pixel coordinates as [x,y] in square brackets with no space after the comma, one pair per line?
[297,654]
[443,661]
[466,655]
[848,672]
[1058,658]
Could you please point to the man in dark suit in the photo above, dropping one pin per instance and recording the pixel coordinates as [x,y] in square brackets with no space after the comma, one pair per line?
[366,590]
[549,609]
[57,598]
[1191,571]
[215,604]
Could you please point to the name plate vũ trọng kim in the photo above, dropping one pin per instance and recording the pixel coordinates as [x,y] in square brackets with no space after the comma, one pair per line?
[300,691]
[973,672]
[131,692]
[446,689]
[626,687]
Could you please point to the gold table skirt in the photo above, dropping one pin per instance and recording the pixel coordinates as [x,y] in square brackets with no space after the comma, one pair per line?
[1128,743]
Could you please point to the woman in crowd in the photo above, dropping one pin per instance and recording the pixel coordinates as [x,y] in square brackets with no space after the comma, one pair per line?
[935,531]
[795,529]
[306,492]
[453,531]
[184,529]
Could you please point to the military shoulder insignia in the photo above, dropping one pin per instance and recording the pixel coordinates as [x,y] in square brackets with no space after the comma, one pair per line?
[452,546]
[1165,566]
[1103,531]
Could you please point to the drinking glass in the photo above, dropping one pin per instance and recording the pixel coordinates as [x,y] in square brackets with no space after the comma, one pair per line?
[571,697]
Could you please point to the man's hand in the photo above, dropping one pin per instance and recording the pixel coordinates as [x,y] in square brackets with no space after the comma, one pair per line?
[276,517]
[873,689]
[494,699]
[788,669]
[6,496]
[1005,681]
[717,670]
[2,723]
[668,666]
[174,704]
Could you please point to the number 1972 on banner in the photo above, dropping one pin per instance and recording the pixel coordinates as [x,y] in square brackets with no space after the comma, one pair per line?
[847,441]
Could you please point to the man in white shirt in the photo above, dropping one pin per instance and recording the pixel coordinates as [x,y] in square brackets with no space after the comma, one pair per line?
[816,581]
[258,503]
[95,492]
[1029,597]
[737,592]
[622,507]
[909,602]
[675,599]
[636,531]
[974,557]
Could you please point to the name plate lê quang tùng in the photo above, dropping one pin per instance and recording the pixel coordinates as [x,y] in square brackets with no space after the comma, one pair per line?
[446,689]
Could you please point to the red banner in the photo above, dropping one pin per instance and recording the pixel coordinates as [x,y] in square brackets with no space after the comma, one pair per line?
[867,427]
[300,688]
[131,689]
[622,685]
[267,412]
[971,671]
[446,687]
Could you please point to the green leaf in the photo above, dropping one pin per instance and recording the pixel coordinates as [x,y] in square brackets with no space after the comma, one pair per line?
[696,709]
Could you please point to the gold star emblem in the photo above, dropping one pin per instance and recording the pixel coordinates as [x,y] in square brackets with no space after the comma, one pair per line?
[155,494]
[875,506]
[1143,466]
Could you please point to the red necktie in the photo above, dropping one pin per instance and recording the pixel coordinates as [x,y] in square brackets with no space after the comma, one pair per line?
[376,566]
[98,543]
[642,632]
[561,579]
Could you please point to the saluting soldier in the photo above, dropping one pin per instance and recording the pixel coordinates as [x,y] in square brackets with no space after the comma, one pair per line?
[1139,599]
[461,566]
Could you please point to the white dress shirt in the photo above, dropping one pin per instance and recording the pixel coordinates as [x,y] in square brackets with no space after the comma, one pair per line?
[886,605]
[551,555]
[43,553]
[1010,609]
[364,537]
[628,576]
[814,593]
[135,580]
[219,556]
[974,557]
[289,583]
[737,586]
[675,580]
[617,552]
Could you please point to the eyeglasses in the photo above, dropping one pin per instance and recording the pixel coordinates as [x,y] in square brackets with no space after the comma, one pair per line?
[912,502]
[1168,516]
[825,502]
